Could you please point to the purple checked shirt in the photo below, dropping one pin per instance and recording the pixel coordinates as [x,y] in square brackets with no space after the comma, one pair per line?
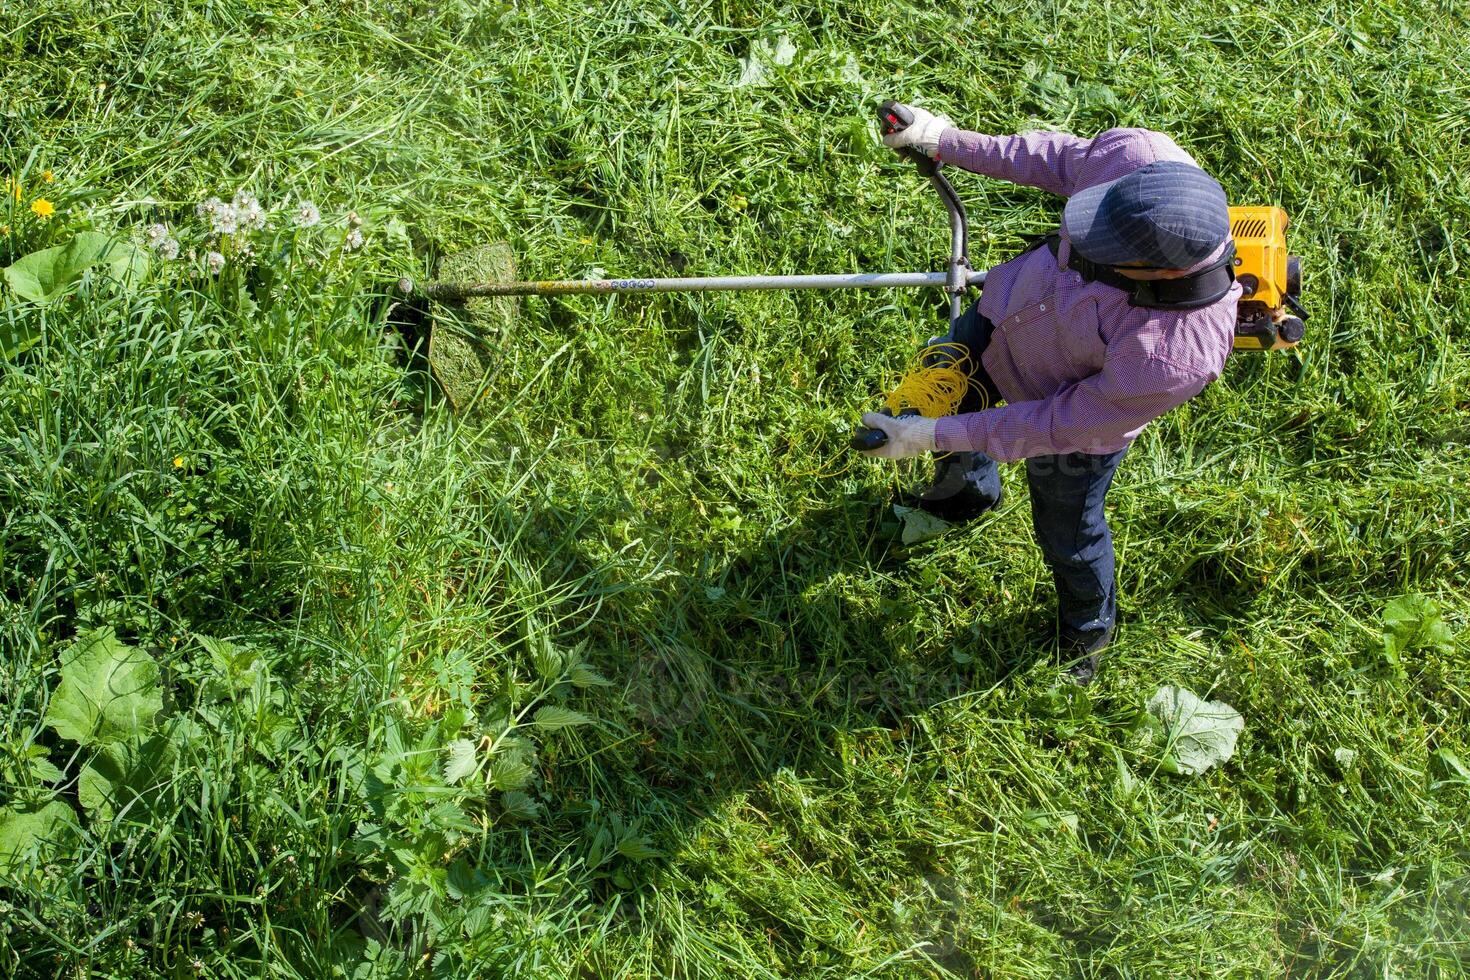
[1080,369]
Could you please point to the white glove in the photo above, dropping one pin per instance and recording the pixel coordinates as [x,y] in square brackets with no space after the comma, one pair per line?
[922,134]
[908,435]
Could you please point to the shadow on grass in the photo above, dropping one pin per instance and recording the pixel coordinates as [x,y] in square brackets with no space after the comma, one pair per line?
[770,667]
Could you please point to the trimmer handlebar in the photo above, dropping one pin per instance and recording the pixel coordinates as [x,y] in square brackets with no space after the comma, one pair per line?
[894,117]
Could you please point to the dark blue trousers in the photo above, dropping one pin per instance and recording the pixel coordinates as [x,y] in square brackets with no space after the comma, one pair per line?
[1068,493]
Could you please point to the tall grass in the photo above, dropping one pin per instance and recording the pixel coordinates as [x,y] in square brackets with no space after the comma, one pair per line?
[818,752]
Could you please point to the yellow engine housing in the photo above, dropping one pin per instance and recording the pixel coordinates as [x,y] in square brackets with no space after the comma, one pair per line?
[1268,277]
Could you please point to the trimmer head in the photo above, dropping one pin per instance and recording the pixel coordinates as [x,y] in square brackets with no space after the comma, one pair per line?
[463,335]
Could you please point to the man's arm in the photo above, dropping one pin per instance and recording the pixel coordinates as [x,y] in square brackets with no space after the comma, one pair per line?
[1050,161]
[1056,162]
[1091,416]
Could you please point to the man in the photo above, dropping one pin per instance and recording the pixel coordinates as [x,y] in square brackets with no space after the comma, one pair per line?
[1127,312]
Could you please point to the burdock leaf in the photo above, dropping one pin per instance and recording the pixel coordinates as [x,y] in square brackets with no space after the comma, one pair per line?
[1199,734]
[25,832]
[108,691]
[126,775]
[919,525]
[45,275]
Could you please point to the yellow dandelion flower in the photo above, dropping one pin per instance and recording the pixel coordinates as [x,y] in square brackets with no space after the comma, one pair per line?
[178,462]
[42,208]
[47,176]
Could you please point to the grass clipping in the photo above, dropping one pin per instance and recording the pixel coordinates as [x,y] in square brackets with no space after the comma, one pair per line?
[463,335]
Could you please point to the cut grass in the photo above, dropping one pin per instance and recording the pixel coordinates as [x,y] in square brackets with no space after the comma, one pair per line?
[843,752]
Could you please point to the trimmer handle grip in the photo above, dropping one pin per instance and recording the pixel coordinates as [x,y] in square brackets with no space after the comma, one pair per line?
[895,117]
[866,440]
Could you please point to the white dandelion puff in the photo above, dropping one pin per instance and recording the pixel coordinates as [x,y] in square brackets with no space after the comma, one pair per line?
[248,211]
[209,208]
[168,249]
[307,215]
[157,234]
[354,240]
[224,221]
[215,261]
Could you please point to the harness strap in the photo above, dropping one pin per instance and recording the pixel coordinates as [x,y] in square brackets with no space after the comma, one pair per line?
[1190,292]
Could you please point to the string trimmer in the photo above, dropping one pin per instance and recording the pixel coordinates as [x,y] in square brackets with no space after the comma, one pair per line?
[1269,318]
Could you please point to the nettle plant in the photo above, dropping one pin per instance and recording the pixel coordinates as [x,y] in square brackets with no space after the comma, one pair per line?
[436,791]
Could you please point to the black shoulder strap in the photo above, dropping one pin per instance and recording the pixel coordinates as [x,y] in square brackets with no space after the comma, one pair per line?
[1191,292]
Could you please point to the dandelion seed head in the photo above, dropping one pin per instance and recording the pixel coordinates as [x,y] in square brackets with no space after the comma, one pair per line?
[223,219]
[354,240]
[307,215]
[215,261]
[248,211]
[168,249]
[156,234]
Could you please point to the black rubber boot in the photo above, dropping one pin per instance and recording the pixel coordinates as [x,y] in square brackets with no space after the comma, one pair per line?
[965,486]
[1078,655]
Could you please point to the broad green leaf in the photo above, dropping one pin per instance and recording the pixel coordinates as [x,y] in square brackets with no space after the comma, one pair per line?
[553,716]
[519,806]
[19,332]
[763,58]
[108,690]
[45,770]
[43,276]
[637,848]
[240,665]
[126,774]
[1127,782]
[919,525]
[584,676]
[34,832]
[462,760]
[1453,765]
[1200,734]
[508,774]
[550,663]
[1414,623]
[449,816]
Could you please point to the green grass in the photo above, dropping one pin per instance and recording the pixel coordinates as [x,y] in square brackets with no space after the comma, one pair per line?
[819,753]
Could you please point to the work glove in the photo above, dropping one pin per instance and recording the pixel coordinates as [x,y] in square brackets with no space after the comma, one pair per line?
[908,435]
[922,134]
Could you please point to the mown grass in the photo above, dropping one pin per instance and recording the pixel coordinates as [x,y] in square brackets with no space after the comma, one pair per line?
[822,753]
